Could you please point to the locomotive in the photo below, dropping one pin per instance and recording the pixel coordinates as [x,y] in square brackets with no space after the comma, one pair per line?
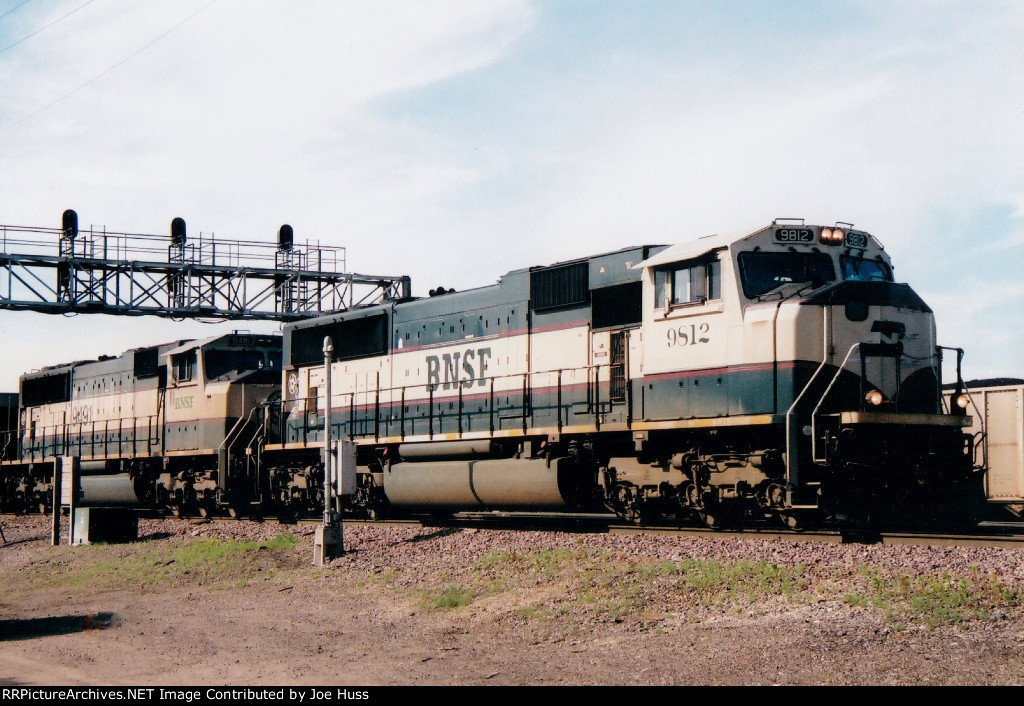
[167,426]
[774,375]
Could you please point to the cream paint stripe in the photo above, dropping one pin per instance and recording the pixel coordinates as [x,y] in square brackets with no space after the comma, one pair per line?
[508,381]
[749,420]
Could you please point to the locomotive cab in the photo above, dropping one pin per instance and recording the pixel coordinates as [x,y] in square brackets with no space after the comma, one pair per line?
[213,421]
[819,375]
[221,380]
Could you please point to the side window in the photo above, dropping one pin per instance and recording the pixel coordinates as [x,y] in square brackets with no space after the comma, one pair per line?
[184,366]
[692,283]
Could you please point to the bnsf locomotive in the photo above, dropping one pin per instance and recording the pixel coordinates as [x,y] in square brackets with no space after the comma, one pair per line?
[774,374]
[780,373]
[168,426]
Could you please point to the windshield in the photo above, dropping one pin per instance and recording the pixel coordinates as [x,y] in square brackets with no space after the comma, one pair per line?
[221,362]
[764,271]
[861,269]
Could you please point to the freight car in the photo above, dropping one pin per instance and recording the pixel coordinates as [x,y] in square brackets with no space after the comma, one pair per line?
[165,426]
[779,373]
[997,407]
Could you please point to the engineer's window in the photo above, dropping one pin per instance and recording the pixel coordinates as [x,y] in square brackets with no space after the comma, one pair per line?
[693,283]
[185,366]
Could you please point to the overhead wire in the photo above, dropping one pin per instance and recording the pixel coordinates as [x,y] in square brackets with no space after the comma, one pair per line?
[105,71]
[26,2]
[46,26]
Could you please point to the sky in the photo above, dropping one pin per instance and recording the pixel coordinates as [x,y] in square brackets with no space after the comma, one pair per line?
[454,141]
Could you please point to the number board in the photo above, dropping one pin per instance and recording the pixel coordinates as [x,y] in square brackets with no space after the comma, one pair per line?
[857,240]
[794,235]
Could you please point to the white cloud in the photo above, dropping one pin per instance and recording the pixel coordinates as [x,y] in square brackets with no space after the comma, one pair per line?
[455,141]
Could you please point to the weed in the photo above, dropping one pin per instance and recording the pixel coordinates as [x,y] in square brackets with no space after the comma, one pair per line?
[856,600]
[206,561]
[493,559]
[448,598]
[941,600]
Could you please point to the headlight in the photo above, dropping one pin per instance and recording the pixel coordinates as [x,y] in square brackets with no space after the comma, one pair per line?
[874,398]
[962,400]
[833,236]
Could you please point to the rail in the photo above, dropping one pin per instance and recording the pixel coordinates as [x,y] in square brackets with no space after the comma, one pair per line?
[792,433]
[512,402]
[123,437]
[817,407]
[227,445]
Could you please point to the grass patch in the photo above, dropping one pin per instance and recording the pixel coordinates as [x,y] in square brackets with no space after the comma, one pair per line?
[208,561]
[611,587]
[941,600]
[447,598]
[494,559]
[750,578]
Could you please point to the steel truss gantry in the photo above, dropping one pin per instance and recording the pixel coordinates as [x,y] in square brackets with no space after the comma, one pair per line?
[67,270]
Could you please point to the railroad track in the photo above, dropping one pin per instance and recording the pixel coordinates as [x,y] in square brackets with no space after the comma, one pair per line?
[987,534]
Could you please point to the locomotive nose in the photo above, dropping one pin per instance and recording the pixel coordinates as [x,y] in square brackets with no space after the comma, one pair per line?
[881,336]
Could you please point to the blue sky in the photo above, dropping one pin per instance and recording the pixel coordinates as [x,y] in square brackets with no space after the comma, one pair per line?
[454,141]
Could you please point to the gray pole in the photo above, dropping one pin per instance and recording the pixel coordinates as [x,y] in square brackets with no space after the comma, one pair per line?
[327,543]
[328,350]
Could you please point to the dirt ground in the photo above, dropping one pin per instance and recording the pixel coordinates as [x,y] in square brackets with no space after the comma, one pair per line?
[545,609]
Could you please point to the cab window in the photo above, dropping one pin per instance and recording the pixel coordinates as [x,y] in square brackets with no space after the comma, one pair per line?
[218,362]
[184,366]
[864,270]
[762,272]
[688,283]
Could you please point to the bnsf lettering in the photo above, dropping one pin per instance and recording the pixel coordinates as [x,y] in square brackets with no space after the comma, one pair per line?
[466,368]
[183,402]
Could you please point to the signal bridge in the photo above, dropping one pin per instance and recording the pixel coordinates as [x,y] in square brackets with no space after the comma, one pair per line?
[68,270]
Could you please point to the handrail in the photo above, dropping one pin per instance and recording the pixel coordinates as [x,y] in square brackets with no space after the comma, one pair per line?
[62,438]
[792,459]
[241,421]
[590,376]
[224,450]
[866,348]
[814,412]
